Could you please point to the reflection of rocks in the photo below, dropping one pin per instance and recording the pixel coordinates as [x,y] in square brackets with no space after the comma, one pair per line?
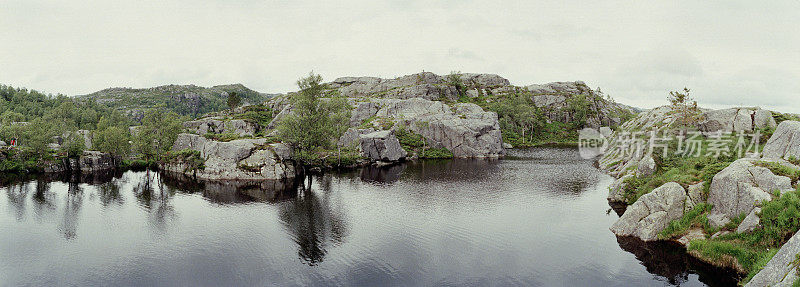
[670,261]
[377,174]
[315,221]
[234,191]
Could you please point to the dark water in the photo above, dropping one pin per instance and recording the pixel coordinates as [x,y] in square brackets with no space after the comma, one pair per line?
[538,218]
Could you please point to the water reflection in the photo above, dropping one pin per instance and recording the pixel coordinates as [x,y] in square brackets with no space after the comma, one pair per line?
[315,219]
[73,201]
[382,175]
[670,261]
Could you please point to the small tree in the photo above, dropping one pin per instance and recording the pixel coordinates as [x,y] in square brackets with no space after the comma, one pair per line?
[314,122]
[112,135]
[234,100]
[685,107]
[157,134]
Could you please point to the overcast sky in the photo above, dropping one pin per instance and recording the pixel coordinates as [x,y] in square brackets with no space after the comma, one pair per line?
[728,52]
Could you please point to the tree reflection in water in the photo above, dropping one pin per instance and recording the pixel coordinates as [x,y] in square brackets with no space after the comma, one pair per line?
[670,260]
[17,193]
[73,201]
[154,196]
[315,219]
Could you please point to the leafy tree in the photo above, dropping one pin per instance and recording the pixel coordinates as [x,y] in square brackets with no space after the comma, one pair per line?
[685,107]
[233,100]
[315,122]
[35,136]
[157,134]
[112,135]
[73,144]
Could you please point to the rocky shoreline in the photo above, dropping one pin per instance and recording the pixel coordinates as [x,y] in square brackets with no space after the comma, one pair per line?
[731,201]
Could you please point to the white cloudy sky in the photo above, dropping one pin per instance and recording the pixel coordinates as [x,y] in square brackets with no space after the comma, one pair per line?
[728,52]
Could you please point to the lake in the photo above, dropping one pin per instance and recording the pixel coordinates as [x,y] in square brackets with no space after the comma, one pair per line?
[539,217]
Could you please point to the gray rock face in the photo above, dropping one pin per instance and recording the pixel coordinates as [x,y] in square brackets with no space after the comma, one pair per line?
[352,137]
[779,271]
[647,166]
[736,119]
[652,212]
[484,80]
[244,159]
[738,188]
[785,141]
[695,193]
[616,190]
[464,129]
[217,126]
[88,162]
[382,146]
[750,222]
[621,157]
[554,97]
[422,85]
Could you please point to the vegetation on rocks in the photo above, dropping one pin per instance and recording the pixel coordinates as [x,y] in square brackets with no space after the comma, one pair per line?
[315,125]
[780,219]
[415,144]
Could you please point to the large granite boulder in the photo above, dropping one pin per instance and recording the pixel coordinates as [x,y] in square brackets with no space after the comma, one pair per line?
[736,119]
[652,212]
[781,270]
[741,186]
[785,141]
[382,146]
[352,137]
[465,129]
[219,126]
[243,159]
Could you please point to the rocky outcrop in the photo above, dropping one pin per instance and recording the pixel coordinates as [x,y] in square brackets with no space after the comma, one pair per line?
[382,146]
[616,191]
[736,119]
[750,222]
[554,99]
[243,159]
[464,129]
[221,126]
[785,141]
[652,212]
[741,186]
[88,162]
[424,85]
[781,270]
[623,156]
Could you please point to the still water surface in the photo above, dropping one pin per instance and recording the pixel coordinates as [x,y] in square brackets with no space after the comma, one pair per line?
[536,218]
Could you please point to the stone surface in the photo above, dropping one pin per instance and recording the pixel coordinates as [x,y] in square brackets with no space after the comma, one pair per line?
[780,270]
[652,212]
[88,162]
[693,234]
[647,166]
[465,129]
[218,126]
[750,222]
[382,146]
[695,195]
[243,159]
[785,141]
[352,137]
[606,131]
[617,188]
[741,186]
[736,119]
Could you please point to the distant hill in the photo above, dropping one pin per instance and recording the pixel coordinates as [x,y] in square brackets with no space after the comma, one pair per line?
[189,100]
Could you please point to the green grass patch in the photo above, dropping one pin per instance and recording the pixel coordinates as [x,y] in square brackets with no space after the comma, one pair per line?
[697,217]
[780,169]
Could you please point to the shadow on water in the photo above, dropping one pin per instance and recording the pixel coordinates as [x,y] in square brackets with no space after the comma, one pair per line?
[315,218]
[670,261]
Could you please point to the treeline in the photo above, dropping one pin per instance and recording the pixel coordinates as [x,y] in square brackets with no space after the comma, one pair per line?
[46,127]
